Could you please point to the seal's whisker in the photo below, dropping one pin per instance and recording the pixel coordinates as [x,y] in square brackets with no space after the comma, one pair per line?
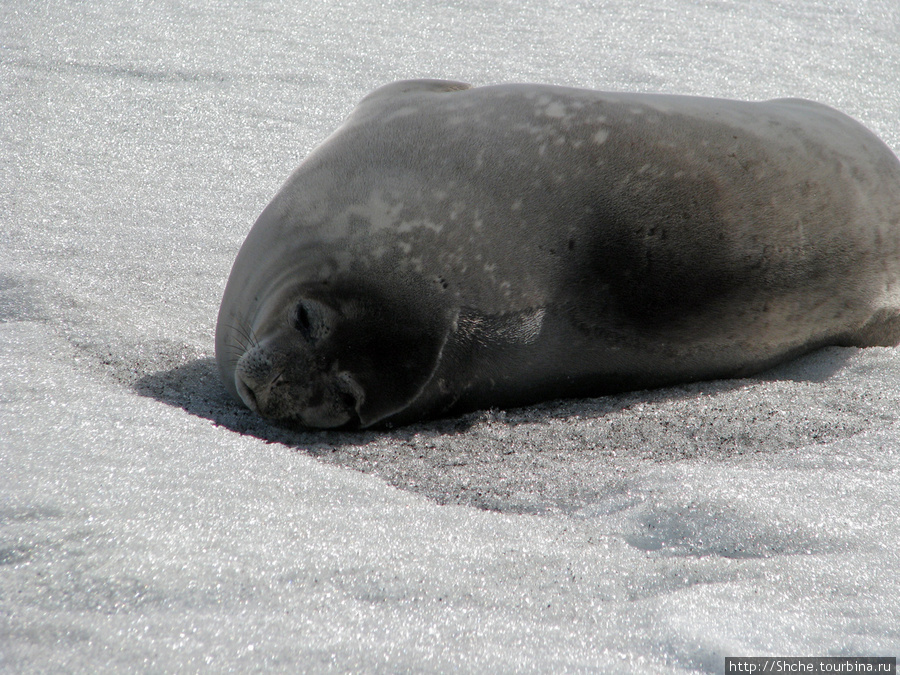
[247,339]
[243,340]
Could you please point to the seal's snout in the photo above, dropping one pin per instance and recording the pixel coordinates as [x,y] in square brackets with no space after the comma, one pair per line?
[292,391]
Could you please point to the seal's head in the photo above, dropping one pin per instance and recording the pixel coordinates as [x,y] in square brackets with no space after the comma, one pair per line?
[335,353]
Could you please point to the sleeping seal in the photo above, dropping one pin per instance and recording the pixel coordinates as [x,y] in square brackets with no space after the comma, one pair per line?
[450,248]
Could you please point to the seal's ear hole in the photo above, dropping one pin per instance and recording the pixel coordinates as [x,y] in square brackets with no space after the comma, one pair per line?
[311,319]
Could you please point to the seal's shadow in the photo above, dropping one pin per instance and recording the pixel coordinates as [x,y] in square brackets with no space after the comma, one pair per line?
[560,455]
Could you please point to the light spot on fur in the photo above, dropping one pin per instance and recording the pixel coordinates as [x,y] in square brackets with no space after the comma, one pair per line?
[555,109]
[383,214]
[402,112]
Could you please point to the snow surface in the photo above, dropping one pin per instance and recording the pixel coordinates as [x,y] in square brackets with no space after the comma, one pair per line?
[150,524]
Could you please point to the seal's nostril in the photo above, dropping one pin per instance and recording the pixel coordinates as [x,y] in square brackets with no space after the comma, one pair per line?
[246,393]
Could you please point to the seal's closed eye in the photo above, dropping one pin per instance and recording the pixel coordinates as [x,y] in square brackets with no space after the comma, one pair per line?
[301,320]
[312,319]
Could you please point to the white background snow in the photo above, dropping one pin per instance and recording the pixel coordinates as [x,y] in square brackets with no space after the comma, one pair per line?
[149,524]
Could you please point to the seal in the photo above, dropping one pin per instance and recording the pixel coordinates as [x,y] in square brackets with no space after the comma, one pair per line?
[450,248]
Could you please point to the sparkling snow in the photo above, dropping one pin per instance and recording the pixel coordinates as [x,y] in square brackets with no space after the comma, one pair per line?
[150,524]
